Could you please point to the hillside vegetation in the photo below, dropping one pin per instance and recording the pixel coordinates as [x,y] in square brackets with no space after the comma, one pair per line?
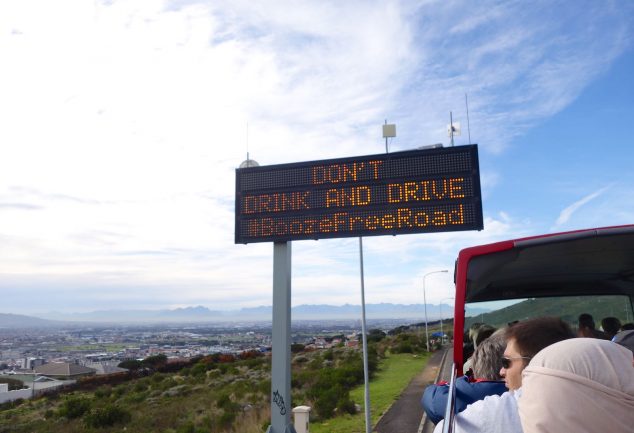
[568,308]
[214,394]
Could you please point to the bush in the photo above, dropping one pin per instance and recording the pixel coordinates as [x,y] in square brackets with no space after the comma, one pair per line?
[103,392]
[74,407]
[345,405]
[296,348]
[326,400]
[131,364]
[198,370]
[135,397]
[107,416]
[404,347]
[226,419]
[376,335]
[224,402]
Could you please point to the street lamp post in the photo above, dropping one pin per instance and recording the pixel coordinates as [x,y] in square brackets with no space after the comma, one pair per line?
[442,334]
[425,303]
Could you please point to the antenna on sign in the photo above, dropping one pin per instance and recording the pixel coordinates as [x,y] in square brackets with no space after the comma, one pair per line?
[248,162]
[466,102]
[452,128]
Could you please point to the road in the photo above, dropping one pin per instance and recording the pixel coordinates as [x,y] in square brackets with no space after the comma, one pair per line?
[405,415]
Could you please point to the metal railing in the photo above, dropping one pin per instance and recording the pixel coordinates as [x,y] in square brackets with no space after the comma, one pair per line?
[450,410]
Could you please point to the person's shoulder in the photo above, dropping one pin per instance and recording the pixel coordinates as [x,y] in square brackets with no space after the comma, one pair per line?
[478,389]
[494,401]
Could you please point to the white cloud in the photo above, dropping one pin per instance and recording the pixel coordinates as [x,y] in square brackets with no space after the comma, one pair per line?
[567,213]
[123,122]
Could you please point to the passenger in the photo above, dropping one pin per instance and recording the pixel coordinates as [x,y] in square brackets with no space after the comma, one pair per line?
[477,335]
[625,339]
[587,328]
[467,342]
[627,327]
[611,325]
[498,413]
[580,385]
[486,380]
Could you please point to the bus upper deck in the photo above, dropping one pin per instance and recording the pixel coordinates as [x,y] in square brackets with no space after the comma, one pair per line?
[597,263]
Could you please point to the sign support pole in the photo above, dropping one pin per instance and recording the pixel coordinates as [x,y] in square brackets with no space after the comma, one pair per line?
[364,339]
[281,336]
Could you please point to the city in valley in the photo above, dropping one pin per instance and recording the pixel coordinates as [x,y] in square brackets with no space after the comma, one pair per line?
[104,347]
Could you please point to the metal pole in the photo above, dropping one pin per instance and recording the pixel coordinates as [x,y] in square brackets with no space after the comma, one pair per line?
[451,126]
[366,378]
[425,303]
[281,336]
[442,338]
[386,139]
[441,331]
[466,101]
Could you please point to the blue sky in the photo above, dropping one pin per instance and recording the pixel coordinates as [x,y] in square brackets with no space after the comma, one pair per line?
[123,122]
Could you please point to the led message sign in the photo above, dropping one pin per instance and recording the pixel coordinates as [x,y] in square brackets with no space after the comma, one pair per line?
[417,191]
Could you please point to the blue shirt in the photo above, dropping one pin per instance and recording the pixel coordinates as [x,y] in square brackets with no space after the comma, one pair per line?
[468,391]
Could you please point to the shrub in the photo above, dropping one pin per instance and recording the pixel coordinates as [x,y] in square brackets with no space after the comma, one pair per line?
[107,416]
[135,397]
[227,418]
[198,370]
[376,335]
[224,402]
[157,378]
[326,400]
[74,407]
[345,405]
[404,347]
[103,392]
[118,391]
[297,347]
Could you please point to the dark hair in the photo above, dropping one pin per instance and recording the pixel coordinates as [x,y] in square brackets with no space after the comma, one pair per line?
[611,325]
[484,332]
[586,321]
[627,327]
[533,335]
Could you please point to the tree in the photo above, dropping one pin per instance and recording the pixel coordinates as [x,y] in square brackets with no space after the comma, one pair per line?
[131,364]
[155,361]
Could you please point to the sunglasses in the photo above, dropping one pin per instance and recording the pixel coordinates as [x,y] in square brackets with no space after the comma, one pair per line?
[506,361]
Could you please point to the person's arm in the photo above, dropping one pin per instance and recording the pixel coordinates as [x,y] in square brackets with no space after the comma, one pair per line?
[434,401]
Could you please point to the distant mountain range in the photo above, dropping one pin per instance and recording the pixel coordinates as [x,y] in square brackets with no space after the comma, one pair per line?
[201,314]
[21,321]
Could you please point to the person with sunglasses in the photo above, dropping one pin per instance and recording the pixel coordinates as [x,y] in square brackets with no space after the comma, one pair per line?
[498,413]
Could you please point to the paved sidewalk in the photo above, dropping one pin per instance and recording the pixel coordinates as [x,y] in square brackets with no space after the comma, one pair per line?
[405,415]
